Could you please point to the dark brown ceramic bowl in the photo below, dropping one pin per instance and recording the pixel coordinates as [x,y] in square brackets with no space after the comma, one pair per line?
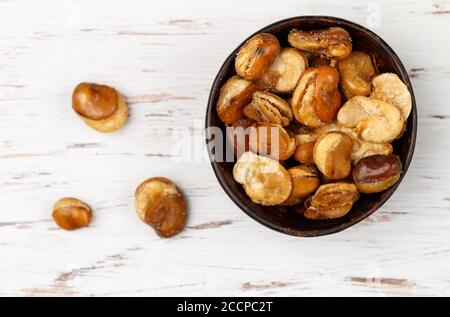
[286,219]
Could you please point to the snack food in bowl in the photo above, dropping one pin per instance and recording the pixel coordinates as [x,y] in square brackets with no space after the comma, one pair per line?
[349,120]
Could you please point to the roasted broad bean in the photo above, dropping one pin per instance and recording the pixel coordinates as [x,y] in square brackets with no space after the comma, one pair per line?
[265,180]
[235,94]
[101,107]
[332,200]
[376,173]
[305,180]
[161,205]
[283,75]
[256,56]
[267,107]
[361,148]
[316,99]
[334,42]
[389,87]
[374,120]
[356,73]
[71,213]
[332,155]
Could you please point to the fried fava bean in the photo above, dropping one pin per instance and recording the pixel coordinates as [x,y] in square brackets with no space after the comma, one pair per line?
[305,180]
[285,71]
[167,215]
[361,148]
[334,42]
[256,56]
[332,200]
[94,101]
[375,120]
[161,205]
[303,100]
[327,95]
[389,87]
[101,107]
[332,155]
[71,213]
[316,99]
[356,73]
[267,107]
[235,94]
[376,173]
[265,180]
[271,140]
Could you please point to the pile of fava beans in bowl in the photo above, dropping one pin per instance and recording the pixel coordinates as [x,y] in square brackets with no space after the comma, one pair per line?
[320,118]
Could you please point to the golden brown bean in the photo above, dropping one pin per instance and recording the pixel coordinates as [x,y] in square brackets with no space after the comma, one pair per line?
[333,200]
[374,120]
[283,75]
[71,213]
[389,87]
[356,73]
[256,56]
[161,205]
[333,43]
[376,173]
[267,107]
[305,180]
[332,155]
[327,95]
[316,99]
[235,94]
[101,107]
[94,101]
[167,215]
[361,148]
[265,180]
[303,100]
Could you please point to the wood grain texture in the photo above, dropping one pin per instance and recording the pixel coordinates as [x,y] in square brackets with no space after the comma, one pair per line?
[163,55]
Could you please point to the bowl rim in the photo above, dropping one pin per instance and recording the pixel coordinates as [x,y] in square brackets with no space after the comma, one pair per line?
[354,221]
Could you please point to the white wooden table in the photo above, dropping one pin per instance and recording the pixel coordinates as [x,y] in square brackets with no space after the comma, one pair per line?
[163,55]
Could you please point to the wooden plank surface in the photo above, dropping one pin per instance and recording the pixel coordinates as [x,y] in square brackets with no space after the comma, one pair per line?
[163,55]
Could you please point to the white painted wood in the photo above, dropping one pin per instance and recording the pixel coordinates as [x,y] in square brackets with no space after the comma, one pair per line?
[163,55]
